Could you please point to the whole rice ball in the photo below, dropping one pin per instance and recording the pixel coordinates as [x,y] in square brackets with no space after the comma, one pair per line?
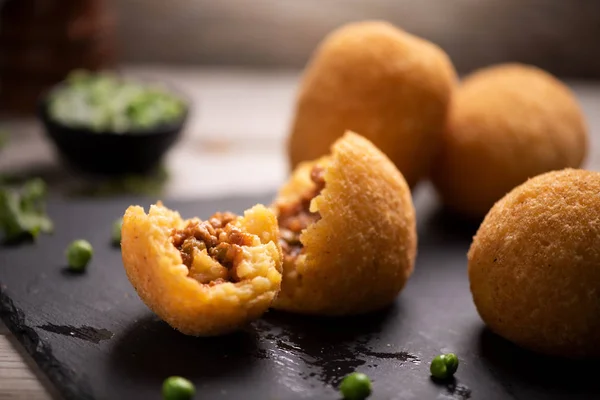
[371,77]
[507,123]
[534,264]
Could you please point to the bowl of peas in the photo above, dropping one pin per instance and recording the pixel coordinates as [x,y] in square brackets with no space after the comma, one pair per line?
[105,124]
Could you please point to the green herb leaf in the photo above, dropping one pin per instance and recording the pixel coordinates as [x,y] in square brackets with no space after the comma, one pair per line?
[22,210]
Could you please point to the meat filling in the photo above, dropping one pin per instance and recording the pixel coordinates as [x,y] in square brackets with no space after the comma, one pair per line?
[295,217]
[220,239]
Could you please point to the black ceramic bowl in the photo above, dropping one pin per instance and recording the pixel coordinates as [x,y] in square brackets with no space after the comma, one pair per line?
[108,153]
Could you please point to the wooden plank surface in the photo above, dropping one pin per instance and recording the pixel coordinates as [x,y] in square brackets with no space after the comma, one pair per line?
[238,127]
[20,378]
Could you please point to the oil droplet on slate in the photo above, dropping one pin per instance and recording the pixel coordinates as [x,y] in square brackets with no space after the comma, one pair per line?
[84,332]
[329,358]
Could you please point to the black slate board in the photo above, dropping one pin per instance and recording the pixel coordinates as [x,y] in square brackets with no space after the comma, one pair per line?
[96,340]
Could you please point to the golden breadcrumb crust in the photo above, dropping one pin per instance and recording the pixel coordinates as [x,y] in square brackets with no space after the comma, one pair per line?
[373,78]
[534,265]
[155,269]
[507,123]
[361,252]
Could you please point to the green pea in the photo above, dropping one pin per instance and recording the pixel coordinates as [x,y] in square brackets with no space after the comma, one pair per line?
[438,367]
[79,253]
[444,366]
[451,363]
[178,388]
[356,386]
[116,231]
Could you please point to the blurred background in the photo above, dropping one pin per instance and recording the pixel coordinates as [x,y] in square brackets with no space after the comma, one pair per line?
[41,40]
[561,36]
[239,62]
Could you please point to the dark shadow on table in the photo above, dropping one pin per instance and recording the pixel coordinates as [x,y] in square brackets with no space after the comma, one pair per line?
[23,240]
[441,226]
[525,372]
[151,350]
[336,328]
[323,349]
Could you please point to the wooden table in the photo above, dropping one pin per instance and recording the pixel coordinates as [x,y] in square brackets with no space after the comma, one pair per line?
[239,125]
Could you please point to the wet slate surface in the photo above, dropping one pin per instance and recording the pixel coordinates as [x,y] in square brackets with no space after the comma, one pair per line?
[96,340]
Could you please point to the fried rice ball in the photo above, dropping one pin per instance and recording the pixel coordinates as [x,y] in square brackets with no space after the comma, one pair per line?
[507,123]
[373,78]
[348,234]
[203,278]
[534,264]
